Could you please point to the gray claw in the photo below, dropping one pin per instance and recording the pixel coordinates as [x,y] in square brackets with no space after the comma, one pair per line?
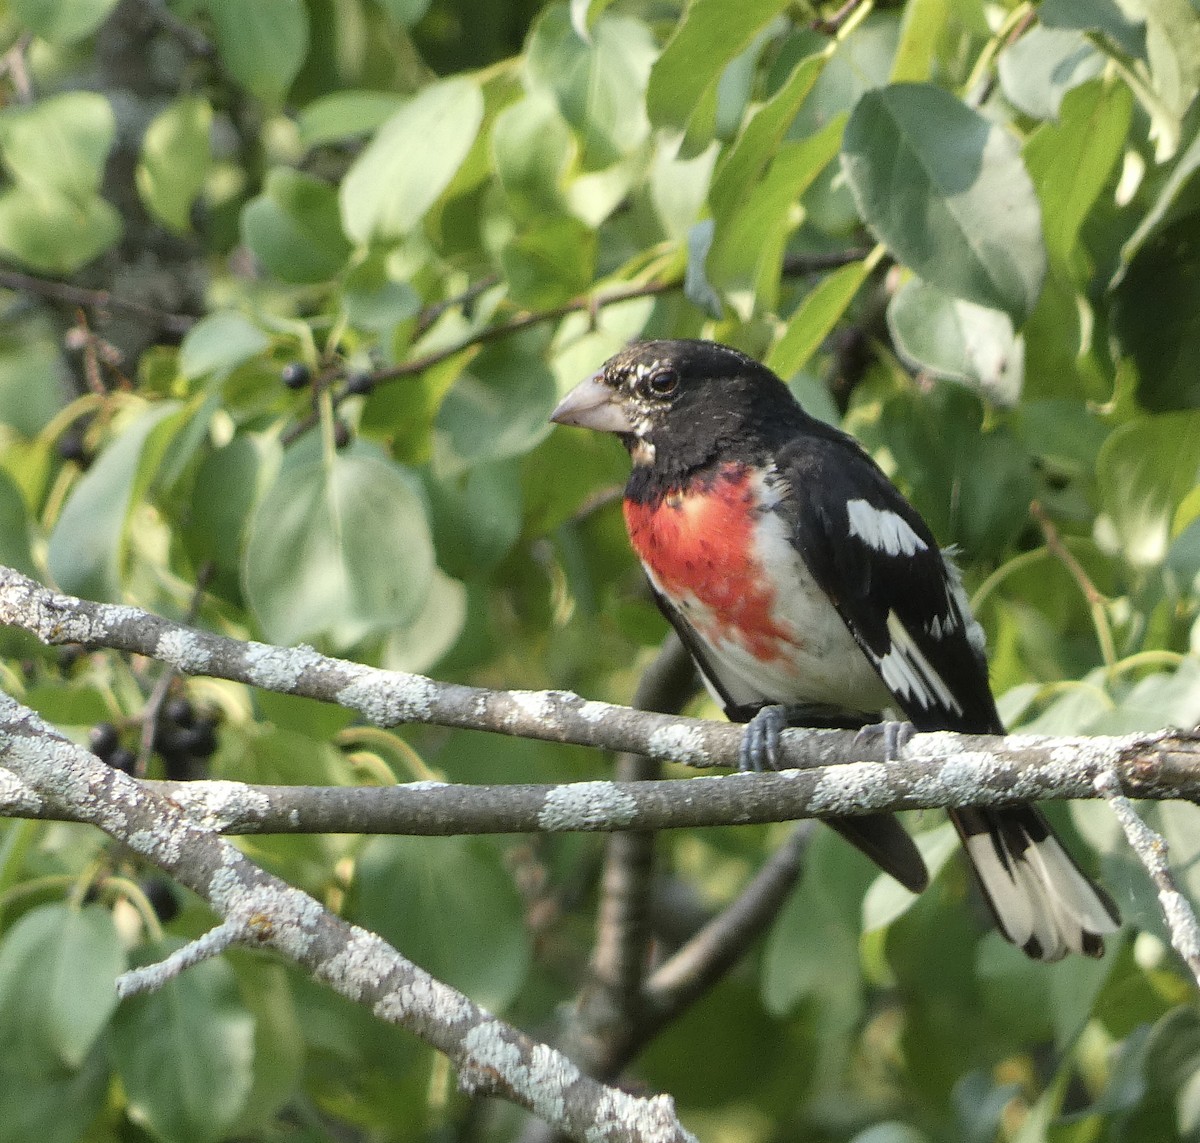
[895,737]
[759,750]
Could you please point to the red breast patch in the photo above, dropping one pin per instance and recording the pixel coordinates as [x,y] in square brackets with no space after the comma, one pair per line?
[699,544]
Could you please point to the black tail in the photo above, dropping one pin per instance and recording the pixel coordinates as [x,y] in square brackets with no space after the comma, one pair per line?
[1042,900]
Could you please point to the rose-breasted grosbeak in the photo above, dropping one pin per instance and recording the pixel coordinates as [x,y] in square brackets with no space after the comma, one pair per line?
[810,592]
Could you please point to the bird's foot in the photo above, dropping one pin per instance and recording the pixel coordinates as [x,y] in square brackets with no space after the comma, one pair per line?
[895,737]
[759,750]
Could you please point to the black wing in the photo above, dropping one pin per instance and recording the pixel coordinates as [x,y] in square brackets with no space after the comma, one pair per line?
[873,555]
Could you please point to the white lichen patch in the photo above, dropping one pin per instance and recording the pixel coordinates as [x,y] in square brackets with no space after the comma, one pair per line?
[1181,921]
[529,706]
[162,846]
[487,1049]
[277,669]
[593,712]
[586,805]
[677,743]
[360,966]
[387,699]
[16,797]
[550,1074]
[283,917]
[423,996]
[220,805]
[185,650]
[857,786]
[619,1115]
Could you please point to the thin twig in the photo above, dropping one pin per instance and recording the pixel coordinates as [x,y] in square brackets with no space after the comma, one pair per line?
[1152,850]
[95,299]
[1097,604]
[796,265]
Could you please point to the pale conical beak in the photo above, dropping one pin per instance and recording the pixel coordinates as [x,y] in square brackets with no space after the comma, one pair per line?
[593,405]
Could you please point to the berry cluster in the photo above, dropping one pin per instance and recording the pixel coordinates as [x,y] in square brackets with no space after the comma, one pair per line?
[183,738]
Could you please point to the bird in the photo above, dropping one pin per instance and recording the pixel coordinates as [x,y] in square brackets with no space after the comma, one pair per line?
[810,592]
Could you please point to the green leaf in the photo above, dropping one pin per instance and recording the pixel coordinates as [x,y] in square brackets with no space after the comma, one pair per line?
[339,548]
[346,115]
[1040,67]
[294,227]
[88,544]
[420,645]
[219,343]
[404,13]
[815,317]
[923,25]
[1139,492]
[476,517]
[176,154]
[887,899]
[60,143]
[1071,161]
[747,252]
[1103,16]
[743,162]
[62,23]
[58,966]
[498,408]
[532,147]
[957,340]
[711,34]
[51,1106]
[1179,197]
[14,528]
[449,905]
[967,219]
[599,85]
[185,1055]
[411,160]
[262,44]
[1157,316]
[30,369]
[54,233]
[549,262]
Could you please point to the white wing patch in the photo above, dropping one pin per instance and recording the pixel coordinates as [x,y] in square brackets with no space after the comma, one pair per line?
[882,529]
[957,598]
[907,673]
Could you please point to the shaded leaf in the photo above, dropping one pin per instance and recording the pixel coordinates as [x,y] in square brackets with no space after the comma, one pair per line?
[176,153]
[448,905]
[411,160]
[339,548]
[262,44]
[294,227]
[185,1055]
[967,220]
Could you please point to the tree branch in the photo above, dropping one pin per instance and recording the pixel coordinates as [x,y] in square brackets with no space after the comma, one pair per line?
[259,910]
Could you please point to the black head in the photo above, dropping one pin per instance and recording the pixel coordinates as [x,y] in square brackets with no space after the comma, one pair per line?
[679,405]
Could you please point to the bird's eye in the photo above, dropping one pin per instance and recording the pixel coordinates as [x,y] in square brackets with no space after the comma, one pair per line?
[663,382]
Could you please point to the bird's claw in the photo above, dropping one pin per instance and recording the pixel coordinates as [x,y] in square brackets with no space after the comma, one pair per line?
[895,735]
[759,750]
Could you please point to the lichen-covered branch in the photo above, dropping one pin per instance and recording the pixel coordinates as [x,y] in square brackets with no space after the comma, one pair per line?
[40,766]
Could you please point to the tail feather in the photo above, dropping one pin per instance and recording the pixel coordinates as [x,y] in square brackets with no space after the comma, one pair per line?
[886,842]
[1042,900]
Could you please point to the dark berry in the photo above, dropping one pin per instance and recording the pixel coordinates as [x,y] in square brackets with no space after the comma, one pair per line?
[204,744]
[295,375]
[179,711]
[341,434]
[123,759]
[103,739]
[359,383]
[161,895]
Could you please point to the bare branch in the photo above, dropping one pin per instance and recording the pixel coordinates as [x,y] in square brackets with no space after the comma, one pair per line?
[492,1057]
[1151,849]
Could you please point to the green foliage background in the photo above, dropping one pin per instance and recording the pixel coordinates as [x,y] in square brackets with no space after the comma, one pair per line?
[448,211]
